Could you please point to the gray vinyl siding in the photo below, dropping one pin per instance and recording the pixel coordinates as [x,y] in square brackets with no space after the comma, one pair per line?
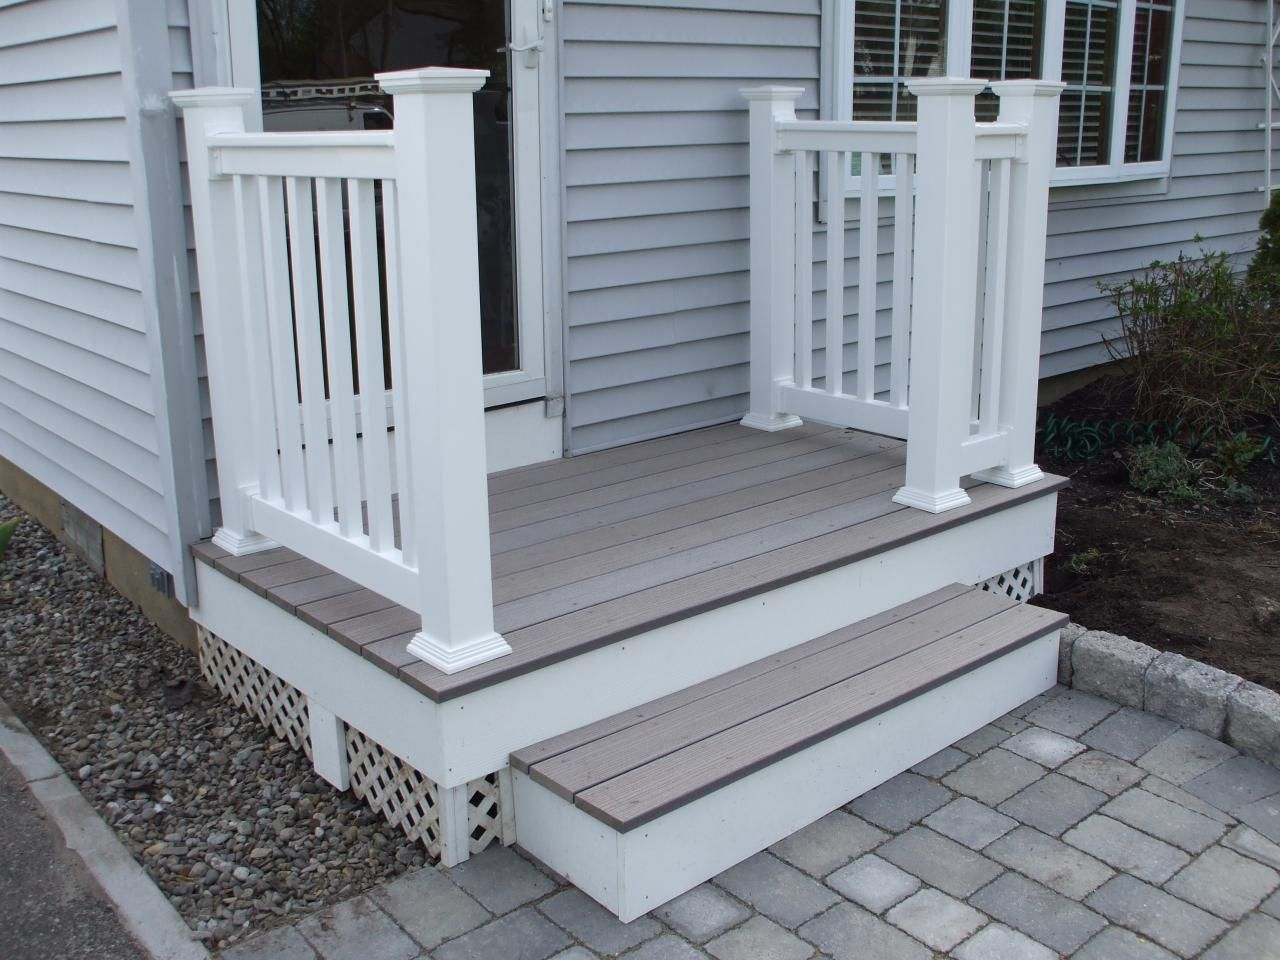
[655,200]
[77,405]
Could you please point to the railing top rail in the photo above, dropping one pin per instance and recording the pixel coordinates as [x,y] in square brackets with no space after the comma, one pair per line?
[345,154]
[869,136]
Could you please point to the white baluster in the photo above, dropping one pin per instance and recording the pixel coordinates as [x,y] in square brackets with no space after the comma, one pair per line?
[772,255]
[944,288]
[1035,104]
[444,395]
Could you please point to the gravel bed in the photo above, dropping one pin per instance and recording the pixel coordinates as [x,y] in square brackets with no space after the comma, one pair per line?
[229,821]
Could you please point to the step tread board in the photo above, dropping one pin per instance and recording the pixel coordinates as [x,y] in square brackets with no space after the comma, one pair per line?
[645,793]
[572,773]
[526,757]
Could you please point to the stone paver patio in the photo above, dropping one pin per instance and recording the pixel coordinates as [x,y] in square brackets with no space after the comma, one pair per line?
[1070,828]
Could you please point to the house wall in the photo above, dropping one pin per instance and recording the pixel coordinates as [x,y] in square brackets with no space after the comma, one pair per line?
[94,402]
[655,191]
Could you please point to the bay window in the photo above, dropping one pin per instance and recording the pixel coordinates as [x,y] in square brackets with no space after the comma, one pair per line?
[1118,59]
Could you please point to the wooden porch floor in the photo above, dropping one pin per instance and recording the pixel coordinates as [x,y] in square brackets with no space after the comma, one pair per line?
[592,550]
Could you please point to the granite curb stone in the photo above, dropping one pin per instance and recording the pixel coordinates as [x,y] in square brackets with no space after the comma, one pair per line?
[1190,693]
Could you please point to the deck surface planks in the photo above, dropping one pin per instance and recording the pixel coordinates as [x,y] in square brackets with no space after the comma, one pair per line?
[630,769]
[608,545]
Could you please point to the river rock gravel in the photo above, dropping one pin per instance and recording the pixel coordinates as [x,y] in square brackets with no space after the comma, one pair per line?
[230,822]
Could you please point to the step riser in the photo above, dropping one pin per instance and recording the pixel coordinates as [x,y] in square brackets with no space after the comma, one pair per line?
[493,722]
[632,873]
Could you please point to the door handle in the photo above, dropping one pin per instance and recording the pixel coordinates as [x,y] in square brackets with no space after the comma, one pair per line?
[530,48]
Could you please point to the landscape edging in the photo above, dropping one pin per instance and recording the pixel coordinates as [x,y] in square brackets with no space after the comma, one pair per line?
[1192,694]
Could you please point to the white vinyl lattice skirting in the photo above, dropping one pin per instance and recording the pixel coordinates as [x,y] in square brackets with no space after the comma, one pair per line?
[404,796]
[1021,583]
[255,689]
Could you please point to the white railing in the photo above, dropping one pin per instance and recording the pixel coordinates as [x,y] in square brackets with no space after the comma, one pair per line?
[337,271]
[950,217]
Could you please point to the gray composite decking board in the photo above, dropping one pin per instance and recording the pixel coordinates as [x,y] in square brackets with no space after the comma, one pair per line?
[390,653]
[645,793]
[609,622]
[591,518]
[323,613]
[678,476]
[262,579]
[871,497]
[741,443]
[292,595]
[795,477]
[526,757]
[233,566]
[378,625]
[605,759]
[858,478]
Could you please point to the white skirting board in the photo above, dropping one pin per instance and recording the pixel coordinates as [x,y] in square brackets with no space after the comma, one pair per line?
[632,873]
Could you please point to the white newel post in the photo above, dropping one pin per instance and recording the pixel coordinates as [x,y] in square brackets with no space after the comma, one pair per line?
[206,113]
[441,371]
[1034,104]
[943,292]
[772,226]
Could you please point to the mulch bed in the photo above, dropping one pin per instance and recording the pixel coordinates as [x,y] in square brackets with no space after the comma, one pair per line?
[1201,579]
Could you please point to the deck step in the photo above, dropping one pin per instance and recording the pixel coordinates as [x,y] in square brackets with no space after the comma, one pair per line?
[641,806]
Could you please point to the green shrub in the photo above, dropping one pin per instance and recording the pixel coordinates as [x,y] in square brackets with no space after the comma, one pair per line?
[1234,454]
[6,534]
[1164,469]
[1264,269]
[1203,345]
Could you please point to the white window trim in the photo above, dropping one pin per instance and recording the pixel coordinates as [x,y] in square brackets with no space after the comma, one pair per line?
[837,71]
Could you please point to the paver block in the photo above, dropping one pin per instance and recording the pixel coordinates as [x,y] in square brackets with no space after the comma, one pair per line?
[1055,864]
[781,892]
[829,843]
[429,907]
[1129,733]
[935,919]
[1258,938]
[595,926]
[1185,755]
[357,930]
[1271,905]
[668,947]
[874,883]
[994,777]
[1111,666]
[847,932]
[1173,923]
[1038,701]
[982,739]
[1117,943]
[1039,912]
[282,943]
[1164,819]
[575,953]
[941,763]
[943,863]
[759,939]
[1225,883]
[1053,804]
[997,942]
[522,935]
[1045,747]
[1010,724]
[1233,785]
[1127,849]
[1264,816]
[1253,721]
[900,802]
[1162,788]
[1251,843]
[1103,772]
[702,913]
[501,879]
[1189,693]
[969,822]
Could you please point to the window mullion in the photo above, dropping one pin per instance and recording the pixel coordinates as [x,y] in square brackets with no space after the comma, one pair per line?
[1123,68]
[959,56]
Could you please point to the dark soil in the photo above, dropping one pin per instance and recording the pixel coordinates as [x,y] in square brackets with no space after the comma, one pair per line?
[1197,578]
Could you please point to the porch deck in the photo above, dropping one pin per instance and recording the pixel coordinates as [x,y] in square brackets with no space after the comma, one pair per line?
[606,546]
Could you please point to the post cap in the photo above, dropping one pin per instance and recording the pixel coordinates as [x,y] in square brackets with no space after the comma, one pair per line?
[432,80]
[777,94]
[213,97]
[946,86]
[1027,88]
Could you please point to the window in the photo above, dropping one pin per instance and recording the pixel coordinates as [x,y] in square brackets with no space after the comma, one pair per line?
[1116,57]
